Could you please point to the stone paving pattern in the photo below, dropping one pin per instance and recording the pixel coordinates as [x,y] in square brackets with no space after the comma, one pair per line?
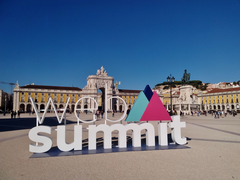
[213,153]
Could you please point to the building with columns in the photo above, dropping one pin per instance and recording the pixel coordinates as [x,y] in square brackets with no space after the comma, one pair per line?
[221,99]
[41,94]
[184,98]
[95,89]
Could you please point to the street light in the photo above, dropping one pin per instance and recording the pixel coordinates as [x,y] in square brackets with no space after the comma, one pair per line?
[5,104]
[170,81]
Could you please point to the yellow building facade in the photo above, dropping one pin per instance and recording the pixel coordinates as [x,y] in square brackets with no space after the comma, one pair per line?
[221,99]
[41,94]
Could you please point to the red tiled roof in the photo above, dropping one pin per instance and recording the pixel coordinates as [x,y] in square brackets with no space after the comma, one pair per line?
[217,90]
[51,87]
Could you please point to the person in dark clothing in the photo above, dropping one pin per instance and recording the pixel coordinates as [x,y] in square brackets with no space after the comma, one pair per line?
[18,114]
[14,114]
[11,114]
[129,109]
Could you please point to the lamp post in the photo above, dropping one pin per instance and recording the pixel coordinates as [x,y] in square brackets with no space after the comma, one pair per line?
[5,105]
[117,83]
[170,81]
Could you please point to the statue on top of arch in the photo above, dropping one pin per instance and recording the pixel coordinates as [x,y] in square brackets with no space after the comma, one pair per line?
[101,72]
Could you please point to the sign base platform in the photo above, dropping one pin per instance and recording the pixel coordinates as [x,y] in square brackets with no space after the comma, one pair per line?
[54,151]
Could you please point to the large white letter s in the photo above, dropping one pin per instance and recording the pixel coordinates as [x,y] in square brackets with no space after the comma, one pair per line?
[34,136]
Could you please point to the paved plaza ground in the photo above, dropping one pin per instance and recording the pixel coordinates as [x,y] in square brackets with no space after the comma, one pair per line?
[213,153]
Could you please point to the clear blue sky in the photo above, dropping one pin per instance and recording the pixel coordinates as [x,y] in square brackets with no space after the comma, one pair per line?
[61,42]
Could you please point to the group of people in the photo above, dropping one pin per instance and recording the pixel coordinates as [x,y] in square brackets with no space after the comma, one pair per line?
[100,112]
[222,114]
[216,114]
[14,114]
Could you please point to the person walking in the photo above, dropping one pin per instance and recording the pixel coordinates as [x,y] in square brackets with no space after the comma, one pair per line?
[97,114]
[129,109]
[18,114]
[14,114]
[11,114]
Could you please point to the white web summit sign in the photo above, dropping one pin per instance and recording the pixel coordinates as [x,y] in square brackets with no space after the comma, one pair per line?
[148,107]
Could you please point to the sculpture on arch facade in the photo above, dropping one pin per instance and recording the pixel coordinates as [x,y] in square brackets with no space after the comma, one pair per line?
[101,72]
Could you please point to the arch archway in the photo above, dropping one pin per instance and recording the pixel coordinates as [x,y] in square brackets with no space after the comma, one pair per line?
[29,108]
[22,107]
[120,108]
[42,106]
[72,108]
[95,88]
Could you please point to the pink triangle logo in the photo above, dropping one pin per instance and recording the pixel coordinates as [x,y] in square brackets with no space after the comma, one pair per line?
[155,110]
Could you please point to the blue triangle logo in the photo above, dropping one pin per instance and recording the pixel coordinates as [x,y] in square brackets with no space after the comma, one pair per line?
[138,108]
[148,92]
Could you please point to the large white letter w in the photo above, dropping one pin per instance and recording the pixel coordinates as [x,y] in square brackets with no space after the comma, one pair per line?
[41,119]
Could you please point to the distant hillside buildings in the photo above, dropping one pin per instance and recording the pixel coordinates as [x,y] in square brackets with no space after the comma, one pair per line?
[217,97]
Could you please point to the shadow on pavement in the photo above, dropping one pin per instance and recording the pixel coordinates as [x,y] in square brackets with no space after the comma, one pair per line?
[27,123]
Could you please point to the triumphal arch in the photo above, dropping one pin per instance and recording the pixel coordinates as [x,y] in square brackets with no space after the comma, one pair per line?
[95,88]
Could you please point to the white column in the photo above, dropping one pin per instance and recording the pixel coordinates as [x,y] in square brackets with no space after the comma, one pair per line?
[14,101]
[117,105]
